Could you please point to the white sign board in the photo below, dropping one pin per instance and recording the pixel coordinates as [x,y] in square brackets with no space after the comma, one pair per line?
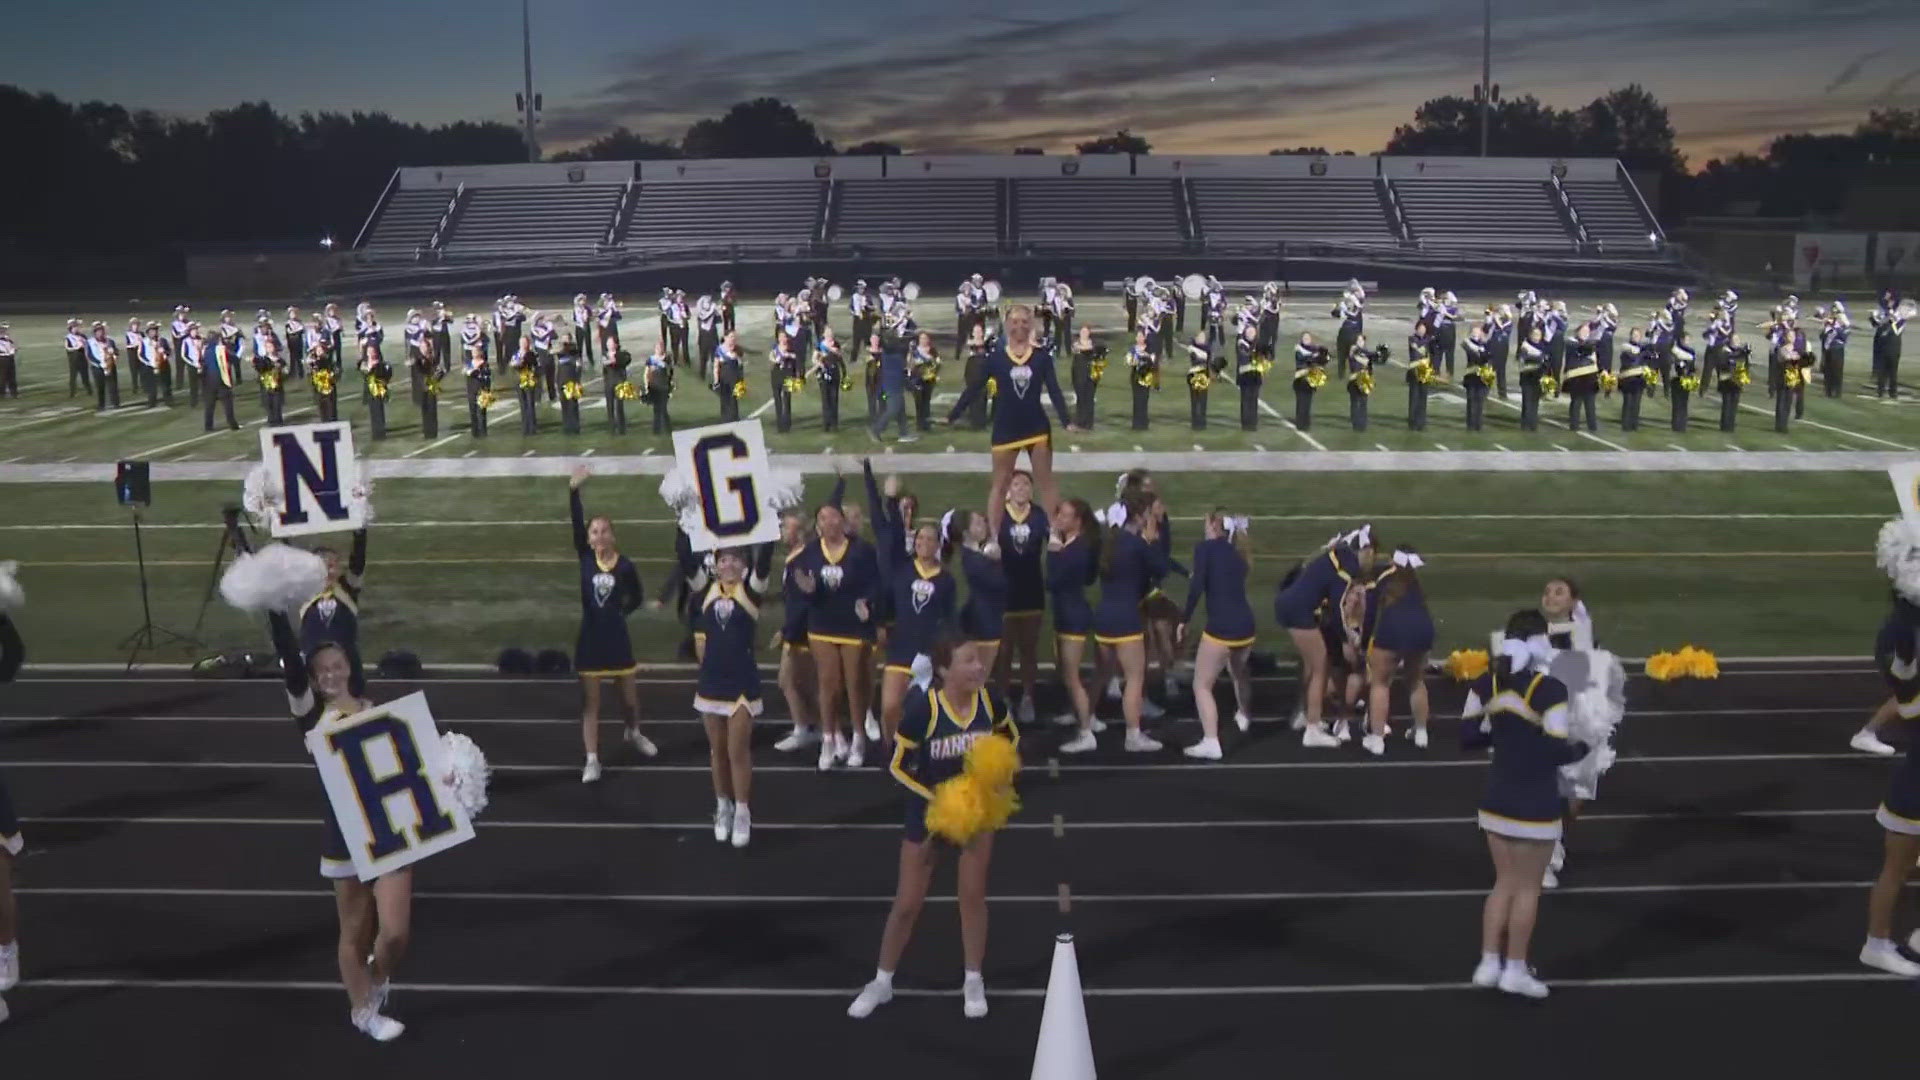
[317,476]
[1896,253]
[727,464]
[383,772]
[1833,256]
[1906,487]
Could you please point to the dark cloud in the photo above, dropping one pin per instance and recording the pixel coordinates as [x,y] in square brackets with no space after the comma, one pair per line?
[1853,69]
[1896,86]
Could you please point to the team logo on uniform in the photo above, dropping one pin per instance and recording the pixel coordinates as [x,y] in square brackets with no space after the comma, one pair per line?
[830,576]
[722,611]
[922,592]
[1020,532]
[1022,378]
[327,607]
[602,588]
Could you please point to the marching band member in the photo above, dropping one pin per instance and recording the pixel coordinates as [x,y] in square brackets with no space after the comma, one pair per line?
[665,305]
[1147,321]
[829,371]
[336,333]
[478,376]
[581,321]
[1061,307]
[1606,322]
[1715,339]
[727,695]
[1351,311]
[1676,310]
[526,381]
[1682,373]
[1324,579]
[193,357]
[1213,298]
[1499,327]
[1477,382]
[322,374]
[1199,380]
[1731,376]
[541,333]
[1658,348]
[784,365]
[1143,366]
[132,342]
[1220,564]
[1360,364]
[1419,375]
[1088,363]
[222,378]
[10,367]
[610,590]
[727,304]
[706,318]
[606,321]
[1889,322]
[1130,302]
[1396,636]
[270,371]
[839,573]
[1022,540]
[1269,309]
[1581,379]
[1533,375]
[1556,323]
[1309,367]
[677,315]
[177,334]
[377,376]
[425,378]
[1521,712]
[935,732]
[296,352]
[228,331]
[1791,363]
[566,365]
[925,375]
[1128,564]
[154,359]
[1528,314]
[1249,373]
[860,306]
[618,389]
[1445,321]
[729,377]
[1073,563]
[1835,327]
[1019,417]
[657,379]
[512,320]
[104,359]
[1633,380]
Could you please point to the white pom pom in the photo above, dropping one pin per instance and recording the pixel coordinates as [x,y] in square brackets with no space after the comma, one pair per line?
[261,495]
[12,596]
[785,490]
[1897,553]
[1593,718]
[464,769]
[363,493]
[275,578]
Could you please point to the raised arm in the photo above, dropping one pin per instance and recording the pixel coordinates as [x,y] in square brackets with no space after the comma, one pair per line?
[579,520]
[357,560]
[293,665]
[13,651]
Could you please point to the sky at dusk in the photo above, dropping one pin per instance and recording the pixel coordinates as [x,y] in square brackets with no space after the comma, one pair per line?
[1199,76]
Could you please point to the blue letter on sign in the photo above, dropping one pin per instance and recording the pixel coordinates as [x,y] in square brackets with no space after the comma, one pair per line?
[372,792]
[741,486]
[298,471]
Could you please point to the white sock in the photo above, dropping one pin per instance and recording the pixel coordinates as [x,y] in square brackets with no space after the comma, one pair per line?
[591,758]
[883,976]
[1879,943]
[972,976]
[1490,958]
[1517,967]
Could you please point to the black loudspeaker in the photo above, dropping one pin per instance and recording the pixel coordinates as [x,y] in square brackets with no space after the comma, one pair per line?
[131,484]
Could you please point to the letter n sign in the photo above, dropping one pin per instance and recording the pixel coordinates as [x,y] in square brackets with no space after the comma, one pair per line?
[318,476]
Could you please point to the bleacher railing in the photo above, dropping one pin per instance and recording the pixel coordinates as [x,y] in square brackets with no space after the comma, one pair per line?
[378,206]
[446,218]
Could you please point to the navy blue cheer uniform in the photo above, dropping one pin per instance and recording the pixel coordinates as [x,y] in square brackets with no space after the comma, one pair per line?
[1069,571]
[923,603]
[986,607]
[333,616]
[1220,575]
[609,592]
[725,622]
[1524,718]
[840,579]
[1131,569]
[305,708]
[1019,417]
[13,652]
[793,602]
[1402,626]
[1163,543]
[1023,544]
[1897,654]
[1323,579]
[932,745]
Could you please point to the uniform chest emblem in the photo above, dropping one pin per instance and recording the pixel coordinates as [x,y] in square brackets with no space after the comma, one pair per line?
[831,576]
[922,593]
[602,587]
[722,611]
[327,608]
[1020,532]
[1022,377]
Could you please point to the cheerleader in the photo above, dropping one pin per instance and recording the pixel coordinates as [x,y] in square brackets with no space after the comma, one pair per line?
[983,616]
[1534,374]
[1199,380]
[566,366]
[922,377]
[1477,383]
[1309,368]
[1581,379]
[728,693]
[1898,659]
[1019,419]
[1835,327]
[1396,636]
[1360,363]
[1143,366]
[1633,380]
[796,661]
[1023,540]
[1419,375]
[1326,577]
[1522,714]
[1129,562]
[1072,565]
[923,600]
[784,365]
[840,574]
[1569,627]
[1088,363]
[1220,565]
[332,616]
[13,653]
[1681,380]
[609,592]
[1895,655]
[729,377]
[935,732]
[656,385]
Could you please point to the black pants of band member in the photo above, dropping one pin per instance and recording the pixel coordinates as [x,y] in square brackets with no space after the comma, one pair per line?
[782,405]
[1083,390]
[1678,396]
[275,404]
[1529,404]
[221,396]
[703,351]
[79,374]
[1302,405]
[1833,366]
[1630,395]
[1416,406]
[1499,362]
[1729,407]
[106,389]
[662,420]
[570,416]
[976,412]
[677,334]
[1886,374]
[10,378]
[529,410]
[729,405]
[893,410]
[923,406]
[158,386]
[1343,342]
[1250,406]
[1476,404]
[377,415]
[549,374]
[1443,349]
[830,405]
[1197,408]
[1142,397]
[1356,409]
[1583,402]
[476,416]
[177,371]
[327,407]
[429,416]
[583,344]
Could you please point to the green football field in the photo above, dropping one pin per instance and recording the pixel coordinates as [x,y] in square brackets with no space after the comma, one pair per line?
[45,425]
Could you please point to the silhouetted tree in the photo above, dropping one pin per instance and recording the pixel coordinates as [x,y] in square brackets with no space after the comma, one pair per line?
[872,148]
[763,127]
[1300,151]
[621,145]
[1032,150]
[1120,142]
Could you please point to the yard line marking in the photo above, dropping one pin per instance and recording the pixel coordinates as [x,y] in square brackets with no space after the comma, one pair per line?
[1830,427]
[182,442]
[588,452]
[1603,442]
[1677,446]
[1442,447]
[1502,449]
[1561,448]
[1735,449]
[529,453]
[469,453]
[1259,449]
[1380,446]
[1311,441]
[768,404]
[61,415]
[431,445]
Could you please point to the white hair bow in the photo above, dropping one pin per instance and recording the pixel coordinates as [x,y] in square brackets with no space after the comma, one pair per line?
[1535,651]
[1361,537]
[1235,525]
[1113,516]
[946,520]
[1408,560]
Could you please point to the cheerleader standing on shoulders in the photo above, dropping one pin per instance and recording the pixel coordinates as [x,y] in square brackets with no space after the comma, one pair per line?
[935,732]
[1073,562]
[728,695]
[840,574]
[1023,539]
[1129,563]
[1220,564]
[1397,636]
[1019,419]
[1323,581]
[13,652]
[609,592]
[1522,714]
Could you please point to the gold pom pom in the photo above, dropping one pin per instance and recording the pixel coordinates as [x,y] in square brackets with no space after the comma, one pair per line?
[993,761]
[1465,665]
[1687,663]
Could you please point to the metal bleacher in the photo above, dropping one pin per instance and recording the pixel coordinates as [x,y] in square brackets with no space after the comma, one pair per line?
[1483,213]
[1337,209]
[536,219]
[1611,213]
[1101,213]
[719,213]
[915,216]
[406,222]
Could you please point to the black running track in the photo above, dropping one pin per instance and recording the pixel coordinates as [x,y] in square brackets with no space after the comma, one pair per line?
[1286,912]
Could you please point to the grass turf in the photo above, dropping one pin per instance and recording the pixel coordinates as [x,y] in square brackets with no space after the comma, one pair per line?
[44,425]
[1746,565]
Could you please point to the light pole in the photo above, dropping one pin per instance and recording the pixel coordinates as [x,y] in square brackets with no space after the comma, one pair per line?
[1486,76]
[528,103]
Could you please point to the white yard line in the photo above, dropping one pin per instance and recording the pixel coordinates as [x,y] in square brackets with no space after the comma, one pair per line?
[1603,442]
[431,445]
[1830,427]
